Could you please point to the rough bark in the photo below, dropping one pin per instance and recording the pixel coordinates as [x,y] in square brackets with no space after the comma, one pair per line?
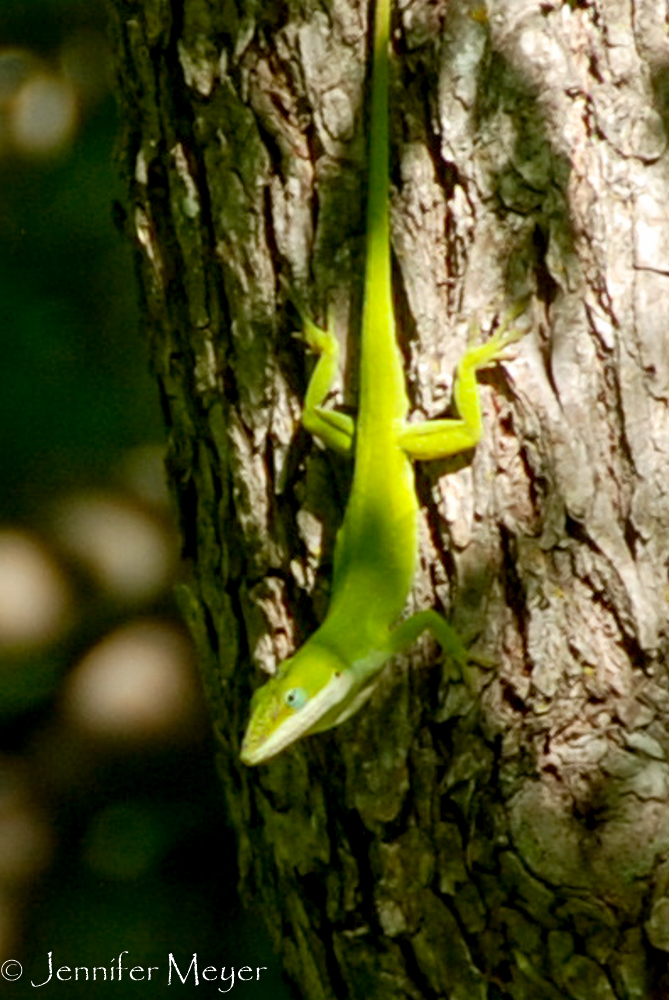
[516,843]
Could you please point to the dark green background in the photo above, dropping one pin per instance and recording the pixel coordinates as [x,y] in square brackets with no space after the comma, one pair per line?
[75,395]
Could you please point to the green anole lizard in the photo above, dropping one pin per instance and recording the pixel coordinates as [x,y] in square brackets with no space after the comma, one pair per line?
[336,669]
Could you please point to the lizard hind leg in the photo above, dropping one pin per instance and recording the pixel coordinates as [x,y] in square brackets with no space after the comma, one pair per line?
[335,429]
[435,439]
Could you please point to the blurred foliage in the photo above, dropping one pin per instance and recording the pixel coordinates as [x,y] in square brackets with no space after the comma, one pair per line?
[75,390]
[112,849]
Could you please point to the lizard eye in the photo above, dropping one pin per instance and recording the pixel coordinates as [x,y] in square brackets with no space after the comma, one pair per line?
[296,697]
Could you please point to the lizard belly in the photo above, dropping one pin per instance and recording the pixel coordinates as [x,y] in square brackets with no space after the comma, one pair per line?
[375,554]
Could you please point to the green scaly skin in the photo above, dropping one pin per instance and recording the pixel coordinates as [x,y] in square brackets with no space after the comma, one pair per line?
[335,671]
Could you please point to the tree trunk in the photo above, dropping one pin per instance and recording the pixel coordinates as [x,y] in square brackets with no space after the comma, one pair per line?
[515,843]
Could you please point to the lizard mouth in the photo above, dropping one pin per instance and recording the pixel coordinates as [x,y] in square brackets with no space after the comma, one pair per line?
[256,750]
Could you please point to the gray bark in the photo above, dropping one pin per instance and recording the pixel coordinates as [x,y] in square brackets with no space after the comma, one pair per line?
[514,843]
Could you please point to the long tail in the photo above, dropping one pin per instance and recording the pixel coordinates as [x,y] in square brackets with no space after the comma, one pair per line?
[382,382]
[378,228]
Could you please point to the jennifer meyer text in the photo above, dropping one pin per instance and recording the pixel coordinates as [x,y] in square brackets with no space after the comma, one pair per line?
[120,969]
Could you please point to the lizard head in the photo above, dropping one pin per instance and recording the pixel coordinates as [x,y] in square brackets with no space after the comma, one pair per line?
[309,689]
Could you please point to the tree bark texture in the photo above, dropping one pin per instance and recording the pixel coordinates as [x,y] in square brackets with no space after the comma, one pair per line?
[513,842]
